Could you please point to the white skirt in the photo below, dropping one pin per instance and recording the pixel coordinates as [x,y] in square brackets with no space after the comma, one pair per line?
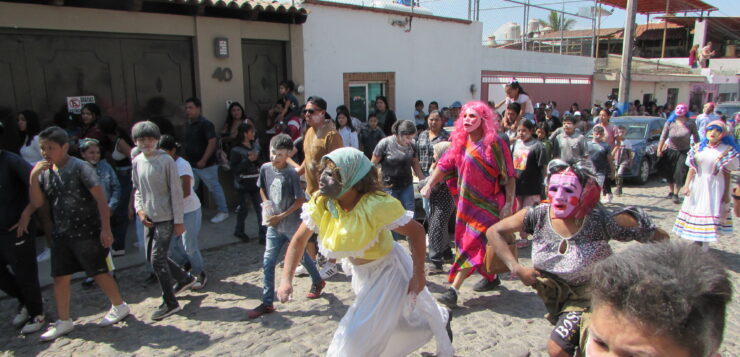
[384,320]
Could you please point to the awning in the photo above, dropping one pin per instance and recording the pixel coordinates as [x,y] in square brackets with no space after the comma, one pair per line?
[663,6]
[726,27]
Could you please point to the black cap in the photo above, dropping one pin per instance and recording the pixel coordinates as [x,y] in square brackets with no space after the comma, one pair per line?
[317,101]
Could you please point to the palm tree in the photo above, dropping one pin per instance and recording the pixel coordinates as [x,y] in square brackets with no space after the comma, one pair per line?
[554,22]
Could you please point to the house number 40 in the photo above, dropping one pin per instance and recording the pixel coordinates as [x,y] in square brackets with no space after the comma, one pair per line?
[223,74]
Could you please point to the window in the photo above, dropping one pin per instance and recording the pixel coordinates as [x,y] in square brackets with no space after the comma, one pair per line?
[362,98]
[672,96]
[646,99]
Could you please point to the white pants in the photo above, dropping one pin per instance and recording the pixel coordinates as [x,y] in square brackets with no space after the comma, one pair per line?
[384,320]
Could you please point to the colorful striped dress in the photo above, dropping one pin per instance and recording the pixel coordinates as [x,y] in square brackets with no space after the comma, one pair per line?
[703,216]
[476,182]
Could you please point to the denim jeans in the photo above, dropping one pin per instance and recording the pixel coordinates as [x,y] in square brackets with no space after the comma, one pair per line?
[209,175]
[406,196]
[184,249]
[245,199]
[157,253]
[119,221]
[274,245]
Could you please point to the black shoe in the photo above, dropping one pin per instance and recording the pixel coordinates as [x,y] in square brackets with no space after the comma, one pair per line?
[670,195]
[151,279]
[200,281]
[88,283]
[448,298]
[262,241]
[449,324]
[242,236]
[185,285]
[164,310]
[187,267]
[675,199]
[435,268]
[485,285]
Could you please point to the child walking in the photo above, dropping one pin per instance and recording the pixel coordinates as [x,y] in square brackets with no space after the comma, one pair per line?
[82,233]
[623,156]
[440,210]
[370,136]
[90,151]
[601,157]
[244,162]
[282,199]
[159,206]
[394,313]
[530,160]
[184,249]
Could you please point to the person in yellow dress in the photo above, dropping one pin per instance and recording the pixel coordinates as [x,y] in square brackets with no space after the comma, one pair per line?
[394,314]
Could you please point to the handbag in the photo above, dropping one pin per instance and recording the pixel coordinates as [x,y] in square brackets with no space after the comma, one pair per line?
[494,264]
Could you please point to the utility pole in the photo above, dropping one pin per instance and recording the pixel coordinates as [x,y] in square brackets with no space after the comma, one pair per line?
[625,72]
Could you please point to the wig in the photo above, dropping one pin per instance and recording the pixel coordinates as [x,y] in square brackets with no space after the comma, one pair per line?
[489,123]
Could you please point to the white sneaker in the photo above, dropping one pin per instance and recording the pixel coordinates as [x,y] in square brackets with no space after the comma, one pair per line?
[33,325]
[115,314]
[220,217]
[328,270]
[608,198]
[45,255]
[301,271]
[57,329]
[21,317]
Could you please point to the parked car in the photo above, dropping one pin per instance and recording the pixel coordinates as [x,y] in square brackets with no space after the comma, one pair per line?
[643,133]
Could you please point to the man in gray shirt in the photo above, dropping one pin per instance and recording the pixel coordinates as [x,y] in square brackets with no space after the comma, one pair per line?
[570,146]
[159,205]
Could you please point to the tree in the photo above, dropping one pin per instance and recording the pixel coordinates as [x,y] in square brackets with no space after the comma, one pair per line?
[554,23]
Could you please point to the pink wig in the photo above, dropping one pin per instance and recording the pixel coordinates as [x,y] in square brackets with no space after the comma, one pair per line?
[489,123]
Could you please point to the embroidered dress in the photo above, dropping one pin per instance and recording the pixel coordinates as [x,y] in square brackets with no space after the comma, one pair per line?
[383,320]
[703,217]
[476,182]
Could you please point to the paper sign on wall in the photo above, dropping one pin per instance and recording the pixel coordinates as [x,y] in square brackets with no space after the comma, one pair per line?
[75,104]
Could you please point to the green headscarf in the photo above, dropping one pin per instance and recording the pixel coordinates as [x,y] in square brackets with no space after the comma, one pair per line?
[353,165]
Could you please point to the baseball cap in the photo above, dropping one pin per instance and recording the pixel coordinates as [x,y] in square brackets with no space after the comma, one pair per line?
[577,114]
[548,107]
[456,104]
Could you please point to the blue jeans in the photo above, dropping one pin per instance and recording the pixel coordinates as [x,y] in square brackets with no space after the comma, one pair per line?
[209,175]
[406,196]
[274,245]
[185,248]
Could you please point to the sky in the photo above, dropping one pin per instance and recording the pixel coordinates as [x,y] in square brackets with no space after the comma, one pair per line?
[493,16]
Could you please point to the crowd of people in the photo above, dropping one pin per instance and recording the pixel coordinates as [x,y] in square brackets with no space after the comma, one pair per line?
[339,191]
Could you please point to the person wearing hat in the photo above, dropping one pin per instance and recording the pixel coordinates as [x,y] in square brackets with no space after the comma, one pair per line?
[553,122]
[454,112]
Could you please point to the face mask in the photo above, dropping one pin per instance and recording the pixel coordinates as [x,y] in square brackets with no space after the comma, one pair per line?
[564,191]
[681,110]
[329,186]
[471,121]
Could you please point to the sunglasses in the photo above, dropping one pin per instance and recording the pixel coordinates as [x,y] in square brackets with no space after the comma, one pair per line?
[309,111]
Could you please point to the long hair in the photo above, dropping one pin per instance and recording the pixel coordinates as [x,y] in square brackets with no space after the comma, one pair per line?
[489,123]
[229,119]
[33,126]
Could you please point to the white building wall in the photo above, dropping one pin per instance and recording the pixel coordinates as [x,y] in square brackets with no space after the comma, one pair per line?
[496,59]
[436,60]
[602,89]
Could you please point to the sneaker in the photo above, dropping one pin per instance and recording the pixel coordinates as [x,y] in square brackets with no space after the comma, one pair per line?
[449,324]
[301,271]
[88,283]
[328,270]
[200,281]
[448,298]
[21,317]
[115,314]
[185,285]
[435,268]
[187,267]
[57,329]
[151,279]
[316,289]
[675,199]
[164,310]
[45,255]
[118,253]
[609,198]
[618,191]
[260,310]
[669,195]
[242,236]
[220,217]
[485,285]
[33,325]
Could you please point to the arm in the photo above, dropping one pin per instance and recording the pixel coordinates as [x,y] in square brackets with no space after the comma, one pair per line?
[375,159]
[176,196]
[415,233]
[661,143]
[106,236]
[432,181]
[210,149]
[417,168]
[35,192]
[124,148]
[115,192]
[274,220]
[500,235]
[500,104]
[728,186]
[292,256]
[610,158]
[186,185]
[510,194]
[689,178]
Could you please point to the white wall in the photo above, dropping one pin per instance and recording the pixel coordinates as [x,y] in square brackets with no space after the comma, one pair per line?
[496,59]
[436,60]
[637,89]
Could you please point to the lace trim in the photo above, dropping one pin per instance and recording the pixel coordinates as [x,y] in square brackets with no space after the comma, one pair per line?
[401,221]
[307,220]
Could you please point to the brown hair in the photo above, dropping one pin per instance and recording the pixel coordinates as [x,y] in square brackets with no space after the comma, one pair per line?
[369,184]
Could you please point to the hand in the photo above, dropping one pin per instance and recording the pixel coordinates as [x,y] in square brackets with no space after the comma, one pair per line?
[284,292]
[131,214]
[725,198]
[425,191]
[200,164]
[252,156]
[659,153]
[417,283]
[273,221]
[686,192]
[528,276]
[22,226]
[40,167]
[106,238]
[145,220]
[179,229]
[506,210]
